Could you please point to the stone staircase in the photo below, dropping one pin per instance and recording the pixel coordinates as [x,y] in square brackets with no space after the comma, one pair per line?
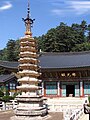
[62,104]
[71,107]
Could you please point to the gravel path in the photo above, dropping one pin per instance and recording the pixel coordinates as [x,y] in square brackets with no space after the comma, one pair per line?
[8,114]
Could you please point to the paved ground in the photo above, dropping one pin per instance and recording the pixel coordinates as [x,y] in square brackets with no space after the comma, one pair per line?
[8,114]
[84,117]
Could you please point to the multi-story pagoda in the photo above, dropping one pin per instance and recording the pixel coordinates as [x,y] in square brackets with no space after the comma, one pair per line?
[30,103]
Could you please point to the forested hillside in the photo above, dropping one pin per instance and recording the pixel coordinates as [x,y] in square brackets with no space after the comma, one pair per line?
[63,38]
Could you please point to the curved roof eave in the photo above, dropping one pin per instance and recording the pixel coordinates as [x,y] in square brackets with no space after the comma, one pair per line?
[57,61]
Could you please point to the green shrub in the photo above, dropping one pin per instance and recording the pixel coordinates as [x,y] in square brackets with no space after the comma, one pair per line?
[88,105]
[89,99]
[16,93]
[7,98]
[1,94]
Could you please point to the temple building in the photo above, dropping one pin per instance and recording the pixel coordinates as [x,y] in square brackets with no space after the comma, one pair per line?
[8,83]
[8,78]
[66,74]
[63,74]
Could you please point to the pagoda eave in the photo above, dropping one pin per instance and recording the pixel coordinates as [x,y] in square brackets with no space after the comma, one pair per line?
[26,38]
[28,55]
[27,44]
[29,67]
[28,61]
[30,82]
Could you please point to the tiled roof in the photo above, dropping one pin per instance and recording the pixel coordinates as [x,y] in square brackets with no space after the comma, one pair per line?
[7,64]
[57,60]
[4,78]
[65,60]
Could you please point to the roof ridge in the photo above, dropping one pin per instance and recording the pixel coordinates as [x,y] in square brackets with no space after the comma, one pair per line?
[9,61]
[65,53]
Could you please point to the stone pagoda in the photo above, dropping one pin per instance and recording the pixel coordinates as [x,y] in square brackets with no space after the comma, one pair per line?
[30,103]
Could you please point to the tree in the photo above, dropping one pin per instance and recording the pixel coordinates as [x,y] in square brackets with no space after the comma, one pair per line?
[82,47]
[83,26]
[81,30]
[51,44]
[16,50]
[1,93]
[66,37]
[10,50]
[40,42]
[88,37]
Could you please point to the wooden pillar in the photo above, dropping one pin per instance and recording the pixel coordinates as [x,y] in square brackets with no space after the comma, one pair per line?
[60,89]
[43,88]
[81,89]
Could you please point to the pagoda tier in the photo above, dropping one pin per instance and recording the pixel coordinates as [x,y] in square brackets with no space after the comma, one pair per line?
[29,73]
[28,60]
[28,87]
[28,49]
[28,54]
[28,38]
[28,67]
[27,43]
[29,79]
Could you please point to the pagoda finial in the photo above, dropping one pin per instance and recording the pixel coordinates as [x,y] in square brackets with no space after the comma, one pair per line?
[28,21]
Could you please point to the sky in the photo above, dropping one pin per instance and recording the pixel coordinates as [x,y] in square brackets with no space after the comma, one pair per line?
[47,14]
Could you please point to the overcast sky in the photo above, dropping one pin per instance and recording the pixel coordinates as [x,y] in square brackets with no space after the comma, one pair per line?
[47,14]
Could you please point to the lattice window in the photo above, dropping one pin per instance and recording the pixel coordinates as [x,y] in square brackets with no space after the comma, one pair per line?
[51,88]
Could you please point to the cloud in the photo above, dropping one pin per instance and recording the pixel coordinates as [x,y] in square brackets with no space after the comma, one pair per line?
[70,7]
[80,7]
[7,5]
[60,11]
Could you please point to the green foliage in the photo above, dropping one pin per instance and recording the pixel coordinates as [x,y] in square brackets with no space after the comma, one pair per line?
[66,38]
[16,93]
[4,95]
[7,98]
[11,52]
[16,50]
[1,94]
[82,47]
[3,54]
[89,99]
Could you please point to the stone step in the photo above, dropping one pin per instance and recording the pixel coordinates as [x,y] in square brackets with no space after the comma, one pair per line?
[66,101]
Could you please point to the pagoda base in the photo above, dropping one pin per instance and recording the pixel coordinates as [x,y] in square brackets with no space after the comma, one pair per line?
[30,118]
[31,112]
[31,115]
[35,113]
